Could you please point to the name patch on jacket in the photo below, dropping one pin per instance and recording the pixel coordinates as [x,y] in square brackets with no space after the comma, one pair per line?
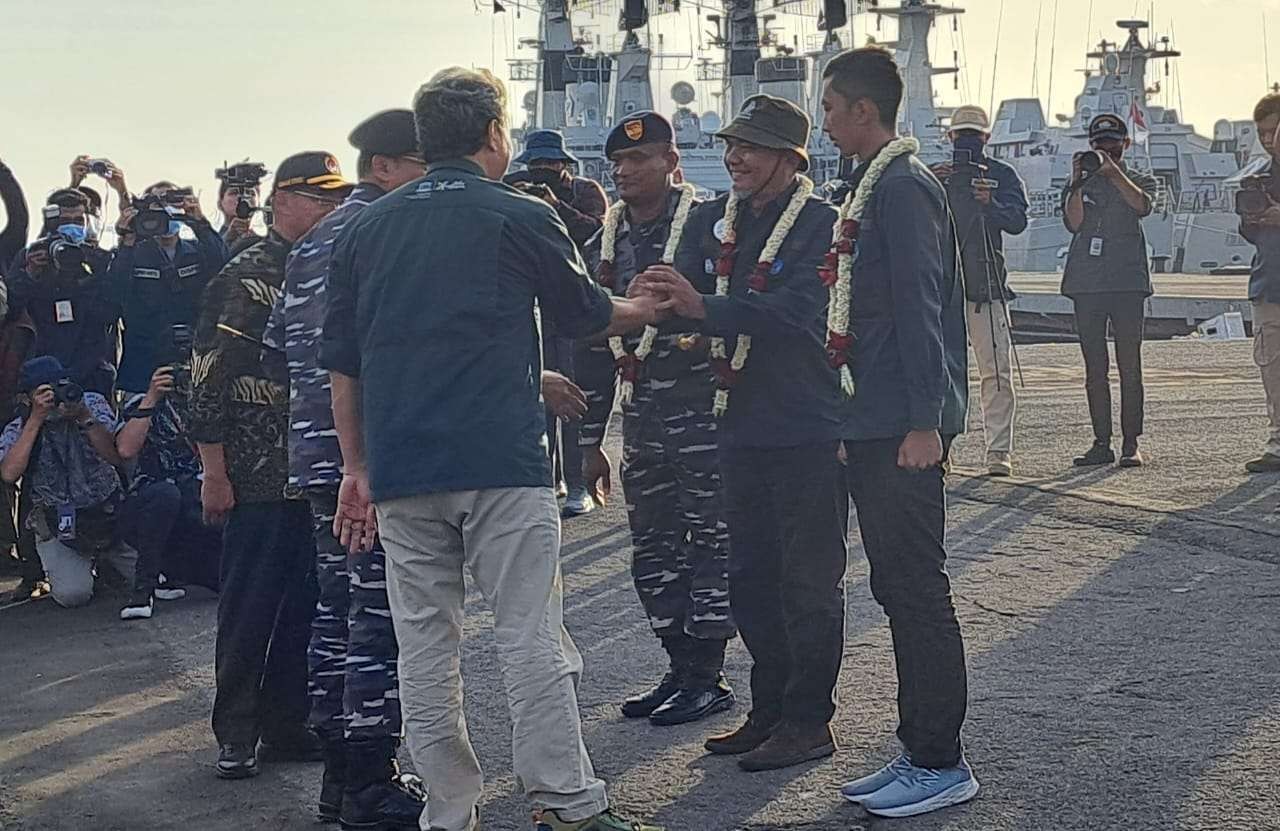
[147,273]
[189,271]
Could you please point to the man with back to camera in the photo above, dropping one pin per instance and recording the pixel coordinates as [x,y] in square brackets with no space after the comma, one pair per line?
[581,203]
[158,281]
[1108,278]
[670,463]
[754,255]
[442,428]
[893,260]
[1262,228]
[239,421]
[988,200]
[355,705]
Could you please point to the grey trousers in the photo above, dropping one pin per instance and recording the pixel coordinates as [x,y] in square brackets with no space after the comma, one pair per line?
[70,573]
[509,539]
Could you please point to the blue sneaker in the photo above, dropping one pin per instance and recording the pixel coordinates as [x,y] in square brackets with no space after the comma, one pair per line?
[921,790]
[856,790]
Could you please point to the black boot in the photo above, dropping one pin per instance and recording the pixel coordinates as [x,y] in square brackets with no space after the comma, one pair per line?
[334,779]
[643,705]
[375,798]
[703,689]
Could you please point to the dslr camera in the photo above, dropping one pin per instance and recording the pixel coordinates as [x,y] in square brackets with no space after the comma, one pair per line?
[64,254]
[156,211]
[1090,161]
[66,391]
[178,355]
[243,176]
[964,166]
[537,182]
[1254,196]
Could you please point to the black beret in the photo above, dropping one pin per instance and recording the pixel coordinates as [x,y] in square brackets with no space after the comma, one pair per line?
[637,129]
[388,133]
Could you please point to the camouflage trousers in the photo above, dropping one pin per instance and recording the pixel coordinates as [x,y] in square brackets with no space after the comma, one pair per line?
[352,680]
[671,480]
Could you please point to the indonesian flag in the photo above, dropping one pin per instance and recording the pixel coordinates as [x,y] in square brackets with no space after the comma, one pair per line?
[1139,122]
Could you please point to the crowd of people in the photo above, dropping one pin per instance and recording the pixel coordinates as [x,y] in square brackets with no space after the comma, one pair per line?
[327,424]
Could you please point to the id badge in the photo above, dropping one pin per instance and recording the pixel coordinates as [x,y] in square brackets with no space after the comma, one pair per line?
[1095,247]
[66,522]
[62,311]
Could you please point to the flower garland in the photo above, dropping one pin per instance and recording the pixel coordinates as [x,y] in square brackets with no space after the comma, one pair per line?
[837,269]
[727,369]
[628,365]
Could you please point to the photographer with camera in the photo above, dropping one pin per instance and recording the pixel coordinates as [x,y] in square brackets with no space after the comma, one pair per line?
[157,276]
[62,284]
[162,514]
[1108,277]
[1258,204]
[581,204]
[239,186]
[84,166]
[988,200]
[61,446]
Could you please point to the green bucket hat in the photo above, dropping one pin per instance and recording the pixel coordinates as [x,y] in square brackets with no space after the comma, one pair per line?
[772,122]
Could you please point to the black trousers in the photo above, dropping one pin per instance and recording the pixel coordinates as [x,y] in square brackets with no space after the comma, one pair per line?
[161,521]
[264,621]
[562,436]
[787,511]
[1126,311]
[902,515]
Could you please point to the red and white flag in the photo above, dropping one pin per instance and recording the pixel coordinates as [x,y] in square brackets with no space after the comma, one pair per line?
[1138,120]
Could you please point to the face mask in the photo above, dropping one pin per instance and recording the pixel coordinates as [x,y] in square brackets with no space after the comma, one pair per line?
[971,144]
[73,233]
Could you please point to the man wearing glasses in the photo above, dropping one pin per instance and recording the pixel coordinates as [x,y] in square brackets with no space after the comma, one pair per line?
[239,420]
[355,704]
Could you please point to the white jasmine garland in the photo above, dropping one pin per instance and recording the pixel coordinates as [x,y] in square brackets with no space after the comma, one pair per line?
[772,246]
[843,236]
[608,250]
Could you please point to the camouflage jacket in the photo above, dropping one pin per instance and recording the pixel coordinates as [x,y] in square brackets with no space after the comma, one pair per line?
[294,327]
[234,401]
[673,374]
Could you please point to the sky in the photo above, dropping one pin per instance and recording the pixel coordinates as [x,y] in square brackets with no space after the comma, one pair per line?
[169,90]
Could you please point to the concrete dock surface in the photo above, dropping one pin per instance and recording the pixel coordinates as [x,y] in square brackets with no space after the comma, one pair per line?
[1121,628]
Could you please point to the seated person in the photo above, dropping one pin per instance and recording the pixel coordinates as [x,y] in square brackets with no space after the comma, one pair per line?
[161,517]
[62,446]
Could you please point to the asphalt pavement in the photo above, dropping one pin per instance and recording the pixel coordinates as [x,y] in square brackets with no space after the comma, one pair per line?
[1121,629]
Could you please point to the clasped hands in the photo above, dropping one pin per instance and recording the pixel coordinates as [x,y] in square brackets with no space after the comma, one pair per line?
[675,295]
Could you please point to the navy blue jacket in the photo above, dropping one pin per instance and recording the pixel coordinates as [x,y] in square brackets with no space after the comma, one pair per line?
[788,395]
[909,357]
[986,275]
[154,293]
[1264,275]
[431,305]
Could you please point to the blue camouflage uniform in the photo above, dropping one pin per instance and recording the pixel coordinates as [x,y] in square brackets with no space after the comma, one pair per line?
[155,292]
[352,656]
[670,465]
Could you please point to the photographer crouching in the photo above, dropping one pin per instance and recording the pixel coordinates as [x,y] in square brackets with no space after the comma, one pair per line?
[1258,204]
[157,276]
[1108,277]
[162,513]
[62,284]
[61,446]
[988,200]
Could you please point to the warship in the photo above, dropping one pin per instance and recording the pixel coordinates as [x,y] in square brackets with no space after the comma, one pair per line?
[586,77]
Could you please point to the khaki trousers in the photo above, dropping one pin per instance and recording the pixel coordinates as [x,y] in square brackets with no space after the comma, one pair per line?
[992,344]
[1266,354]
[509,539]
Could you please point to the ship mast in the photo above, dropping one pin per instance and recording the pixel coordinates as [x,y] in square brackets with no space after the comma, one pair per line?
[555,41]
[918,116]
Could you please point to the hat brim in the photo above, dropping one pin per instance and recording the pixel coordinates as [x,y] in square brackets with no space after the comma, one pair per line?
[1115,135]
[753,134]
[970,125]
[541,155]
[321,185]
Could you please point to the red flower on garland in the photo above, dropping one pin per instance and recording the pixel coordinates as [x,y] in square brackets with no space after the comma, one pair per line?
[726,377]
[606,275]
[759,279]
[838,347]
[849,229]
[628,367]
[724,264]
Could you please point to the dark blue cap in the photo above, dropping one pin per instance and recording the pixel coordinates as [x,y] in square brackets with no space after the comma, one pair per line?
[37,372]
[1108,126]
[544,146]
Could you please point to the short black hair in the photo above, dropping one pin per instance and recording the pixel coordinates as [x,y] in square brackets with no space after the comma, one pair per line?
[68,198]
[164,184]
[364,164]
[1267,107]
[95,198]
[870,73]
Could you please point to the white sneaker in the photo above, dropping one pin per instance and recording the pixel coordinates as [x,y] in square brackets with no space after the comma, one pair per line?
[167,591]
[137,610]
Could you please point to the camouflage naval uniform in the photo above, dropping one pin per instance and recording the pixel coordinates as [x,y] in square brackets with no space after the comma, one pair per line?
[670,470]
[352,657]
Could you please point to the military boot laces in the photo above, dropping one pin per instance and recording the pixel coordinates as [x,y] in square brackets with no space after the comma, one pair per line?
[548,820]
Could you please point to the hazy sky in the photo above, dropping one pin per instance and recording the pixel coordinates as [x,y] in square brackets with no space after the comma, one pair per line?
[170,89]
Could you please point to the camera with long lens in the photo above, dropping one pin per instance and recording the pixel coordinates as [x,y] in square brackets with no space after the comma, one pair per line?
[243,176]
[1091,161]
[66,391]
[1254,196]
[178,355]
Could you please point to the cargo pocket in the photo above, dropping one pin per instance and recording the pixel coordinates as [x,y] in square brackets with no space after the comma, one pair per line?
[1266,342]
